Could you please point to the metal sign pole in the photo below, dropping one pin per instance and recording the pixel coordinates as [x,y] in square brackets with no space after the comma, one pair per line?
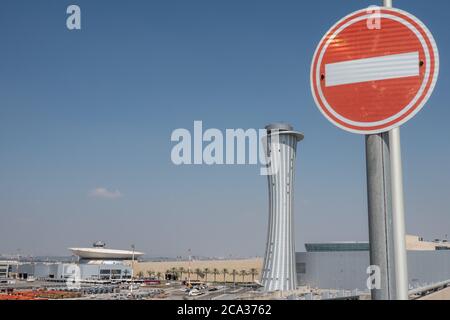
[398,214]
[398,217]
[365,70]
[386,212]
[387,3]
[380,215]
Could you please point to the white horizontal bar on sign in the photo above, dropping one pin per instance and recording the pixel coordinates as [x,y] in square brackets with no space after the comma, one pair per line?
[372,69]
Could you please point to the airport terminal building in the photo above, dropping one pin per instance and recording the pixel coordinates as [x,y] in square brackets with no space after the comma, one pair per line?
[343,265]
[7,269]
[96,264]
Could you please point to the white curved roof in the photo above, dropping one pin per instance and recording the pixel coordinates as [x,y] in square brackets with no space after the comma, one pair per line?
[102,253]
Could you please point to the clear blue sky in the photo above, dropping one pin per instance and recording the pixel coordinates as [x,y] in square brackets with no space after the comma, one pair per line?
[95,108]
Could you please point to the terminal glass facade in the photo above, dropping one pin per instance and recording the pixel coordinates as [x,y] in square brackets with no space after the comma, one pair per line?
[337,246]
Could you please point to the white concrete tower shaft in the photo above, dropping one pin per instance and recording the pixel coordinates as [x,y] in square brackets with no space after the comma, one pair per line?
[279,262]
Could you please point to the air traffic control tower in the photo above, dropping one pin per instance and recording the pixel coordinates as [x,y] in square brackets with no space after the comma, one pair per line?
[279,262]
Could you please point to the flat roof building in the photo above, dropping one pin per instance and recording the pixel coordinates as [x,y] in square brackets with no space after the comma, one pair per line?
[343,265]
[94,264]
[413,243]
[7,269]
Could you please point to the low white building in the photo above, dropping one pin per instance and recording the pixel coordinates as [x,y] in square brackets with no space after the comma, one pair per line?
[7,269]
[94,264]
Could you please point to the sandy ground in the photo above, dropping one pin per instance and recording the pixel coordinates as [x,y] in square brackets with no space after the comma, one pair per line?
[230,265]
[440,295]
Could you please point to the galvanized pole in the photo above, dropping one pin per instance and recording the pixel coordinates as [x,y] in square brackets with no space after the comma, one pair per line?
[398,212]
[380,215]
[386,212]
[132,269]
[398,217]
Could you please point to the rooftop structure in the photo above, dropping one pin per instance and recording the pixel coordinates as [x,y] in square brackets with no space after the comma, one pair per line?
[99,252]
[337,246]
[413,243]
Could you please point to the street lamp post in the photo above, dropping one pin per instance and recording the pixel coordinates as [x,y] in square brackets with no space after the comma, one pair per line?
[132,268]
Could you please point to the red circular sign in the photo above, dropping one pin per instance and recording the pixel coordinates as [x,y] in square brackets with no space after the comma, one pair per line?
[374,70]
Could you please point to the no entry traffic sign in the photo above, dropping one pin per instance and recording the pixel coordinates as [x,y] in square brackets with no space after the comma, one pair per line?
[374,70]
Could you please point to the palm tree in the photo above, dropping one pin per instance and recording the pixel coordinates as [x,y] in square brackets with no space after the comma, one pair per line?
[198,272]
[158,275]
[215,273]
[224,272]
[234,273]
[174,272]
[181,270]
[150,273]
[253,272]
[140,274]
[206,271]
[243,273]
